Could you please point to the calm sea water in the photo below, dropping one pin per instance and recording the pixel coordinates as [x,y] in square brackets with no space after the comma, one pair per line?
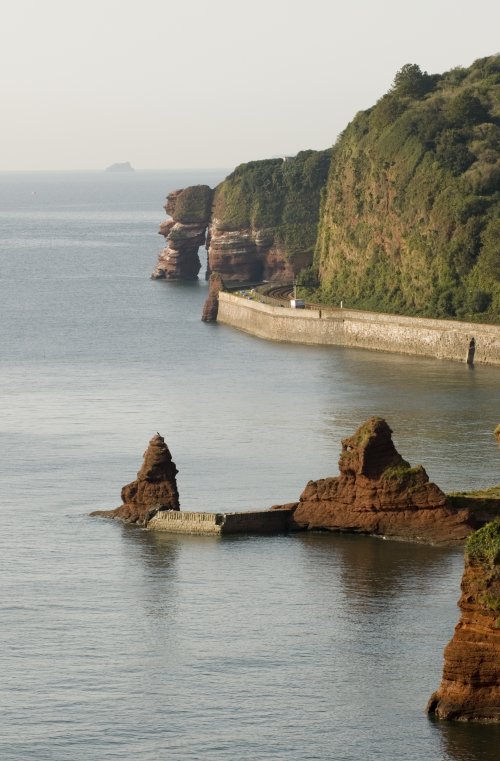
[120,644]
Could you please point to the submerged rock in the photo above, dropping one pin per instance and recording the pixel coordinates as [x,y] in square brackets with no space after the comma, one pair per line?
[470,688]
[190,210]
[378,492]
[155,487]
[211,305]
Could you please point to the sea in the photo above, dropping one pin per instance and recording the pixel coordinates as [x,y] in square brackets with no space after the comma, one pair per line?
[117,643]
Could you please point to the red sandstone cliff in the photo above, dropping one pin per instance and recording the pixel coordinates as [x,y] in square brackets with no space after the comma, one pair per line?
[185,232]
[470,688]
[154,487]
[248,254]
[378,492]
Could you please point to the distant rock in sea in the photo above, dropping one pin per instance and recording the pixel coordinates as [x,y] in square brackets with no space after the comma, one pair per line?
[125,166]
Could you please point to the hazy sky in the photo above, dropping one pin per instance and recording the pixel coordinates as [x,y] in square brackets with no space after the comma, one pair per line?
[211,83]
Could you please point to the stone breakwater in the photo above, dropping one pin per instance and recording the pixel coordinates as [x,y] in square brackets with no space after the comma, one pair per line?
[442,339]
[259,522]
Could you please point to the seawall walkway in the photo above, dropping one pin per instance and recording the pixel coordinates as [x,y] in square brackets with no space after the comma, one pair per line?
[443,339]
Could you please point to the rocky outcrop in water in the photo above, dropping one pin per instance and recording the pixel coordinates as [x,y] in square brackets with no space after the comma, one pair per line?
[154,488]
[211,306]
[378,492]
[470,688]
[185,232]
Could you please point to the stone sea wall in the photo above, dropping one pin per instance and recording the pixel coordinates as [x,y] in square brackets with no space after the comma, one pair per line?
[443,339]
[258,522]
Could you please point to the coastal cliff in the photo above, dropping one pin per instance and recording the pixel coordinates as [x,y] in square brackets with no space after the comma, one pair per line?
[154,488]
[185,232]
[411,216]
[262,221]
[379,493]
[470,688]
[265,217]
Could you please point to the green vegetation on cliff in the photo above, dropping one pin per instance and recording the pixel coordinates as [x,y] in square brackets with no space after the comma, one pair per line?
[193,205]
[410,219]
[279,196]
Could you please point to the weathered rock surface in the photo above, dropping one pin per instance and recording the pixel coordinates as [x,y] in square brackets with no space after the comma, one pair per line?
[378,492]
[248,254]
[470,688]
[190,211]
[211,306]
[155,487]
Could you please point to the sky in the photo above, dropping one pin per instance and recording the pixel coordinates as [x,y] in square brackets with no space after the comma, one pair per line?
[211,83]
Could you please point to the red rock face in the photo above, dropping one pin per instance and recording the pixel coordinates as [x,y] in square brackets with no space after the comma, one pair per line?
[154,487]
[378,492]
[211,306]
[248,255]
[184,233]
[470,688]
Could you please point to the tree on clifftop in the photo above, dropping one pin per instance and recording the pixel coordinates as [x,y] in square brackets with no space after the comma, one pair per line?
[412,82]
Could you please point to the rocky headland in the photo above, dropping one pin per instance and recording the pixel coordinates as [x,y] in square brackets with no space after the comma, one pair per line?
[470,687]
[402,215]
[155,487]
[379,493]
[185,232]
[259,223]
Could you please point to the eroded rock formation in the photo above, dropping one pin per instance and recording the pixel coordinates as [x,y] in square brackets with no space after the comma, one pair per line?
[185,232]
[378,492]
[470,688]
[249,254]
[155,487]
[211,306]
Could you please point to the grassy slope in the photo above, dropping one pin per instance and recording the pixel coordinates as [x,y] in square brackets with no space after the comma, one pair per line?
[410,221]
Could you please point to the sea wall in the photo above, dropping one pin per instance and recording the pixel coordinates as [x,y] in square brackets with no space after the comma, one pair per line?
[444,339]
[258,522]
